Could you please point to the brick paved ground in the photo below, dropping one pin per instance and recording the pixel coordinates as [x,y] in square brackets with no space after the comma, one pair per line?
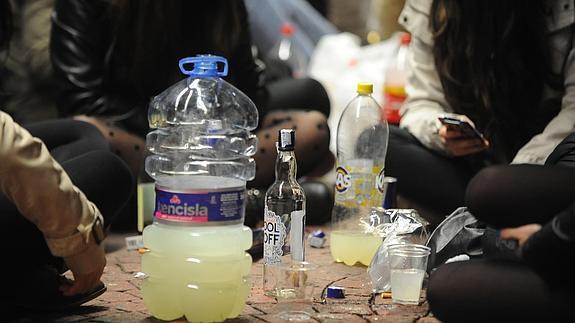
[123,301]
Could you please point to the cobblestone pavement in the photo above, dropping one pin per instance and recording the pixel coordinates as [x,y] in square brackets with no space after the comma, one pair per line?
[123,300]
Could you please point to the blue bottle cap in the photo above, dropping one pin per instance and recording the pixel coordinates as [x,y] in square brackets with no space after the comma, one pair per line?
[335,292]
[318,234]
[204,66]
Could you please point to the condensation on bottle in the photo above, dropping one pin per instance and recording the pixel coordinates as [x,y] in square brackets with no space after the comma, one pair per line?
[362,138]
[201,149]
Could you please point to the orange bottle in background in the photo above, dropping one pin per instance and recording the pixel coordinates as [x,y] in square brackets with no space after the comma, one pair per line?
[394,85]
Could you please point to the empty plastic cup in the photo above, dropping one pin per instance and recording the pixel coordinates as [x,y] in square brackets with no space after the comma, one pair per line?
[294,289]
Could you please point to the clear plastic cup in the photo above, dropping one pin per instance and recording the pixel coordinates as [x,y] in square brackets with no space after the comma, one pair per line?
[294,290]
[407,265]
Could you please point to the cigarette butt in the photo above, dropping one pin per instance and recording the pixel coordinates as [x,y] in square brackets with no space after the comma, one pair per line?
[142,251]
[386,295]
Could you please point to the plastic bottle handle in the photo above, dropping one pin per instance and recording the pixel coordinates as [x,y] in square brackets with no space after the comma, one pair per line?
[207,61]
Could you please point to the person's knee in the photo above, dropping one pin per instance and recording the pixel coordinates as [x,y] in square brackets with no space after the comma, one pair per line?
[439,294]
[82,130]
[319,99]
[315,123]
[481,188]
[110,168]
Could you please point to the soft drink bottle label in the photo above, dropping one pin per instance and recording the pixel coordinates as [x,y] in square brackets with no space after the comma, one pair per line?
[199,206]
[274,237]
[380,183]
[358,186]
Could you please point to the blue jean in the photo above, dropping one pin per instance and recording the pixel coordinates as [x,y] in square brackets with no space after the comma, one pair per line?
[267,16]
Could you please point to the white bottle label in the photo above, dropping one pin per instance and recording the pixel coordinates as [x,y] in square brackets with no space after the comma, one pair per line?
[296,235]
[274,237]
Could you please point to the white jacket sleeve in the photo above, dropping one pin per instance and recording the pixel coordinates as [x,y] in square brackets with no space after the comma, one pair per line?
[425,98]
[540,146]
[43,192]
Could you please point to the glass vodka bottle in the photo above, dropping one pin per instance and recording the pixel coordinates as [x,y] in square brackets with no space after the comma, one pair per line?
[284,215]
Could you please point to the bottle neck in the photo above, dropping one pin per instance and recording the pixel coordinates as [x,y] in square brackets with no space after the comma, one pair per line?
[286,167]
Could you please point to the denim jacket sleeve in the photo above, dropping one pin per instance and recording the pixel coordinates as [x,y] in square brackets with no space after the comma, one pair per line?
[44,194]
[425,98]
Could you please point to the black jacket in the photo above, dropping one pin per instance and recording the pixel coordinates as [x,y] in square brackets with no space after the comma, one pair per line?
[92,77]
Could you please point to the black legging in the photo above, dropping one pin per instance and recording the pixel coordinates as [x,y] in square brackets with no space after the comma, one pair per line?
[434,181]
[297,94]
[84,155]
[487,290]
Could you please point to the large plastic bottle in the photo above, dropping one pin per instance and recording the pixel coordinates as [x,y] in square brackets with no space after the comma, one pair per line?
[195,263]
[394,83]
[362,139]
[288,52]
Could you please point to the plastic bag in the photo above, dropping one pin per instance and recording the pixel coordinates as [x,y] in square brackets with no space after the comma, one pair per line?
[460,233]
[397,226]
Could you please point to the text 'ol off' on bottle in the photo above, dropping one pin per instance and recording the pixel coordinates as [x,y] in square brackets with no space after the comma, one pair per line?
[284,215]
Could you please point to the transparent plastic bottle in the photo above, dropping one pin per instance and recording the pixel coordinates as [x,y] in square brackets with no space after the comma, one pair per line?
[284,215]
[287,51]
[195,263]
[394,83]
[362,139]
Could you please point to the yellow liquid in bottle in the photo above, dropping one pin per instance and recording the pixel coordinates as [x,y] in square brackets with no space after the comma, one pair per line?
[351,247]
[199,274]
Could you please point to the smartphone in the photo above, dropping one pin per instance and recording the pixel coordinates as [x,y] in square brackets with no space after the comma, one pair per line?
[463,126]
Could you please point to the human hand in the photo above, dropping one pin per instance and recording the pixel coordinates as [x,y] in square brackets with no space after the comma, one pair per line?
[521,234]
[87,269]
[459,144]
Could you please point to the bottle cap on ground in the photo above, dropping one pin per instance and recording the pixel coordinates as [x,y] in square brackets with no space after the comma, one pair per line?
[286,139]
[318,233]
[335,292]
[317,239]
[365,88]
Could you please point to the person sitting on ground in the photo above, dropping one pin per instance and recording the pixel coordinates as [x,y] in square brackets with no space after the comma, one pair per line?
[534,205]
[110,60]
[49,224]
[507,66]
[121,70]
[507,72]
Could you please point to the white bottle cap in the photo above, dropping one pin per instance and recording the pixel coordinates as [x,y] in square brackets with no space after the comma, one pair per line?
[286,140]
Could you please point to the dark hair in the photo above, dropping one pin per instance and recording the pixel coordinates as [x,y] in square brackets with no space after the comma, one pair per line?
[493,61]
[5,23]
[151,35]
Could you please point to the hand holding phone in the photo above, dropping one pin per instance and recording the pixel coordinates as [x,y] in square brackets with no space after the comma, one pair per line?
[460,137]
[463,126]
